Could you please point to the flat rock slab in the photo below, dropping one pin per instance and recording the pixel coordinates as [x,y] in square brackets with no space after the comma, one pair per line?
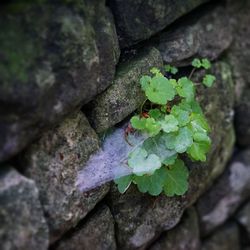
[96,233]
[137,20]
[23,225]
[53,58]
[53,162]
[125,95]
[204,34]
[185,235]
[226,195]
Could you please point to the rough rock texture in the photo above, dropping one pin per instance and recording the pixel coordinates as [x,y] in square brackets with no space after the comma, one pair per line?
[137,20]
[140,217]
[23,225]
[226,195]
[243,218]
[53,162]
[202,35]
[125,94]
[53,58]
[239,58]
[226,238]
[97,233]
[184,236]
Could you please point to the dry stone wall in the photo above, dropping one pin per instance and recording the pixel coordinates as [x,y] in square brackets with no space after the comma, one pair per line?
[69,72]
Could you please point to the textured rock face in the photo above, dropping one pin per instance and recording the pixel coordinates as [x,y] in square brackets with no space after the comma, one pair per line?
[140,217]
[125,94]
[226,195]
[137,20]
[54,57]
[202,35]
[239,58]
[227,238]
[53,162]
[243,218]
[97,233]
[184,236]
[22,223]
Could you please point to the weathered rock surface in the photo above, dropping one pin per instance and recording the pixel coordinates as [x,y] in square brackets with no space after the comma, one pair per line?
[97,233]
[226,195]
[239,58]
[243,218]
[137,20]
[53,162]
[23,225]
[202,35]
[140,218]
[226,238]
[125,94]
[184,236]
[53,58]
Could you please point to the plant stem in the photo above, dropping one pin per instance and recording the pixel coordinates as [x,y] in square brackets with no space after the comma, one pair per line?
[191,74]
[142,105]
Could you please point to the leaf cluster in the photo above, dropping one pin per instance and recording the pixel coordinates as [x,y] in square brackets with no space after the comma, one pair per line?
[175,124]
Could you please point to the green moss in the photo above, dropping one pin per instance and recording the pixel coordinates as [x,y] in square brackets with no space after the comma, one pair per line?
[18,51]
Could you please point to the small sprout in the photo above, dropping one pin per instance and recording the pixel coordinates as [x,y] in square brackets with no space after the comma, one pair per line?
[208,80]
[205,63]
[170,69]
[196,63]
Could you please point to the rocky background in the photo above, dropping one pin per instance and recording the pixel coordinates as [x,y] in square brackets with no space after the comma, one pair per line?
[69,71]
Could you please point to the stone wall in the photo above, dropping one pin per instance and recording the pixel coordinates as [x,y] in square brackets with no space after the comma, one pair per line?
[69,72]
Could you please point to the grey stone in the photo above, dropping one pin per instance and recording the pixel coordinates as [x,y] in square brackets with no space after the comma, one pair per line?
[125,94]
[23,225]
[226,195]
[140,218]
[97,233]
[184,236]
[53,162]
[204,35]
[137,20]
[53,58]
[226,238]
[239,58]
[243,218]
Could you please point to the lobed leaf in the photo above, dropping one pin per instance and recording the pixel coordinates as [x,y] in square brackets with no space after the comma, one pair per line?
[160,90]
[176,179]
[143,163]
[208,80]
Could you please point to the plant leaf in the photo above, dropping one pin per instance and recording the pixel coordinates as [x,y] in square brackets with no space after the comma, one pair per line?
[169,124]
[160,90]
[143,163]
[185,88]
[138,123]
[152,184]
[196,63]
[208,80]
[155,113]
[198,150]
[183,140]
[157,145]
[123,183]
[144,81]
[152,127]
[176,179]
[205,63]
[181,115]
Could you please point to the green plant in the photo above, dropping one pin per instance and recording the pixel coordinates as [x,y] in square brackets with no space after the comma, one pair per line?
[174,124]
